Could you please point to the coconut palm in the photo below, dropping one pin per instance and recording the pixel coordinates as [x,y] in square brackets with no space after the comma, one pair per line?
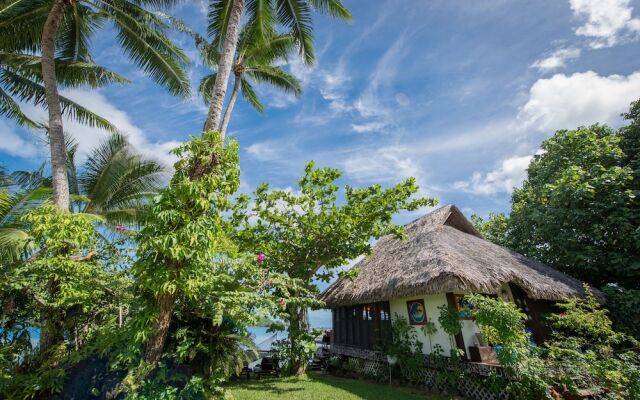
[115,182]
[21,81]
[61,30]
[256,60]
[224,29]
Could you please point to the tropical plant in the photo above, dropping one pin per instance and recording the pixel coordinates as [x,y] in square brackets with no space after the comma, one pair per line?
[584,352]
[502,324]
[306,235]
[115,181]
[66,288]
[256,60]
[61,31]
[189,274]
[224,29]
[21,81]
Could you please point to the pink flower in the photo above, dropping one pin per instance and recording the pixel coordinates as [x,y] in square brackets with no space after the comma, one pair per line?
[283,302]
[120,228]
[260,257]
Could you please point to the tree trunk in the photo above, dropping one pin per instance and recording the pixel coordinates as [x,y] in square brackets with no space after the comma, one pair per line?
[56,132]
[51,325]
[166,304]
[232,103]
[298,325]
[224,67]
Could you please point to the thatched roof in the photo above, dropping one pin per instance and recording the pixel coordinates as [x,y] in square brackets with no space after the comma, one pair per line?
[443,252]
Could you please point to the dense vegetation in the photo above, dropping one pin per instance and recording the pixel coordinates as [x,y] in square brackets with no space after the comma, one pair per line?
[579,211]
[141,285]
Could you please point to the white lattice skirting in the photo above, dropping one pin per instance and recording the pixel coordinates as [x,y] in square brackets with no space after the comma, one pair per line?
[374,363]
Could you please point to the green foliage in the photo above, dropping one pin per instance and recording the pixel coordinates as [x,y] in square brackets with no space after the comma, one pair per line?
[185,254]
[449,320]
[579,208]
[495,229]
[586,353]
[406,348]
[624,309]
[307,235]
[69,288]
[502,323]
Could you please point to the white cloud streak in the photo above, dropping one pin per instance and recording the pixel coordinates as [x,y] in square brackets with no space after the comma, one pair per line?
[607,22]
[556,60]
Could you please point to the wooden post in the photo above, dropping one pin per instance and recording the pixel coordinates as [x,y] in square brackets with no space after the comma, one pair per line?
[451,300]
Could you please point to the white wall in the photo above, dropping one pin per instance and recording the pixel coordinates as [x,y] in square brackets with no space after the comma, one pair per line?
[432,302]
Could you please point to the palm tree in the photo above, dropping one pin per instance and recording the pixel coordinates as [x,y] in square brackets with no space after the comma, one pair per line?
[62,30]
[224,28]
[255,60]
[21,81]
[115,182]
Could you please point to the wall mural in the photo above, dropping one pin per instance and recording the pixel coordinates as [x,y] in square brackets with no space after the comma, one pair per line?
[417,312]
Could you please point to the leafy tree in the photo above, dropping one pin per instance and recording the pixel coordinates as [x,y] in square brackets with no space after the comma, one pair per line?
[114,184]
[224,28]
[579,211]
[66,287]
[585,352]
[256,60]
[190,276]
[493,229]
[61,31]
[307,235]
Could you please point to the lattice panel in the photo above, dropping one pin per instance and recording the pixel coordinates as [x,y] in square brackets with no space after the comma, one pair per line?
[373,364]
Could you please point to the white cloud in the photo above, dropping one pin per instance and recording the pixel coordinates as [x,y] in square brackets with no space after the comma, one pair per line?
[608,22]
[369,127]
[557,59]
[569,101]
[88,138]
[15,145]
[508,175]
[386,164]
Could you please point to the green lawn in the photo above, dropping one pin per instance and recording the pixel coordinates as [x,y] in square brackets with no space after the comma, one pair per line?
[315,387]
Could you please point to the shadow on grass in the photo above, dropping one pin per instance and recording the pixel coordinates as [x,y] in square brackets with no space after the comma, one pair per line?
[315,386]
[276,386]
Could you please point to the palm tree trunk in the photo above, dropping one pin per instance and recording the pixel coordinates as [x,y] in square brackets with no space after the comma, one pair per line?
[56,132]
[166,304]
[232,102]
[224,67]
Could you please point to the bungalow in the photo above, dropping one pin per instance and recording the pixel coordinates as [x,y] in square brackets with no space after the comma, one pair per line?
[442,258]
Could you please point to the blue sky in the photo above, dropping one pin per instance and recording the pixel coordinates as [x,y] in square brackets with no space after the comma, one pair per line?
[458,94]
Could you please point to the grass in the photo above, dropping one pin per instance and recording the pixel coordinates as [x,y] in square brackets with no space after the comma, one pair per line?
[316,387]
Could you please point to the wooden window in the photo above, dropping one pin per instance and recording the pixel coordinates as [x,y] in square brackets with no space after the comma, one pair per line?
[363,325]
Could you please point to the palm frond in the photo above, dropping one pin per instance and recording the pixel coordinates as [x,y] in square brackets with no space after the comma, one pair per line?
[296,16]
[218,20]
[68,73]
[335,8]
[30,91]
[206,87]
[31,180]
[250,95]
[78,24]
[276,77]
[260,15]
[21,24]
[115,177]
[141,35]
[10,109]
